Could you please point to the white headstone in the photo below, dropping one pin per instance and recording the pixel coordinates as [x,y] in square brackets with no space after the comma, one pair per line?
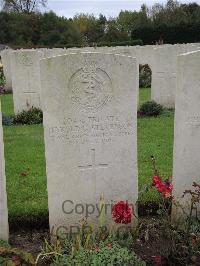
[3,195]
[129,51]
[5,58]
[26,79]
[145,54]
[186,169]
[163,87]
[90,124]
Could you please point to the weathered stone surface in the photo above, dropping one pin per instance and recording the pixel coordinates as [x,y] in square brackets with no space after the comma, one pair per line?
[26,79]
[163,87]
[3,195]
[129,51]
[90,124]
[186,169]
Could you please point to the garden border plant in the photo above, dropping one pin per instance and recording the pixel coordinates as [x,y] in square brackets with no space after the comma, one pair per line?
[150,108]
[32,116]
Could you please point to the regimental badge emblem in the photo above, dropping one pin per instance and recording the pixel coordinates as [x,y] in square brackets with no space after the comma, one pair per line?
[91,88]
[25,59]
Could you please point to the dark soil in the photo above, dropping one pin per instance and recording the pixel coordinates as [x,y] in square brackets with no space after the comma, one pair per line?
[30,241]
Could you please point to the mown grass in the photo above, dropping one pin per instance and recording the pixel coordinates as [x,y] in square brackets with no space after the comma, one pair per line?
[145,95]
[25,161]
[7,103]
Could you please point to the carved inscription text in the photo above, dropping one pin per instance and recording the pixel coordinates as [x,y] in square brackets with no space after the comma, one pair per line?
[96,128]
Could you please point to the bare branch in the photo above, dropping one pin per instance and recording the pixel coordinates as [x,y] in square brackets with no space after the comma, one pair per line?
[22,5]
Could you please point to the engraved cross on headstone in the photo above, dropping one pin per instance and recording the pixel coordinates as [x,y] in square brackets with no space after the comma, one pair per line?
[93,164]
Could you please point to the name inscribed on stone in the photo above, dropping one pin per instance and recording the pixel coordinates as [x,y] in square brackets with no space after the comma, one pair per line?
[99,127]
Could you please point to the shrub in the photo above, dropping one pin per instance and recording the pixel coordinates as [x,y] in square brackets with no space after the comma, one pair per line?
[13,256]
[30,117]
[150,108]
[2,79]
[103,254]
[7,120]
[145,76]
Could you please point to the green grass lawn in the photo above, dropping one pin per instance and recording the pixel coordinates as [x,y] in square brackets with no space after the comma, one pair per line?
[25,161]
[7,104]
[145,95]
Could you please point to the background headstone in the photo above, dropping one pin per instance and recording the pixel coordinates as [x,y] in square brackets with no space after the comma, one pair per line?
[186,169]
[163,87]
[90,124]
[26,79]
[3,195]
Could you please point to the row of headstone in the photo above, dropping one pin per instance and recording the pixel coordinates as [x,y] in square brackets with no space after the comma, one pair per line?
[90,126]
[21,69]
[91,132]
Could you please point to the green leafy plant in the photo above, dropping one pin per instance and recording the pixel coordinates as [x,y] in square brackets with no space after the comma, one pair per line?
[145,76]
[182,242]
[92,246]
[2,79]
[104,253]
[30,117]
[13,256]
[150,108]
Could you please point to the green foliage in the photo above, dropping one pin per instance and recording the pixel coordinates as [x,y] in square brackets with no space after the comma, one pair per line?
[13,256]
[30,117]
[145,76]
[170,23]
[105,252]
[103,255]
[36,29]
[3,243]
[7,104]
[91,28]
[2,78]
[92,246]
[150,108]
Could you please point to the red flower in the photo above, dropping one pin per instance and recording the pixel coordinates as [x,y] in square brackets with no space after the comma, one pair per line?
[156,180]
[122,212]
[167,188]
[163,187]
[160,187]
